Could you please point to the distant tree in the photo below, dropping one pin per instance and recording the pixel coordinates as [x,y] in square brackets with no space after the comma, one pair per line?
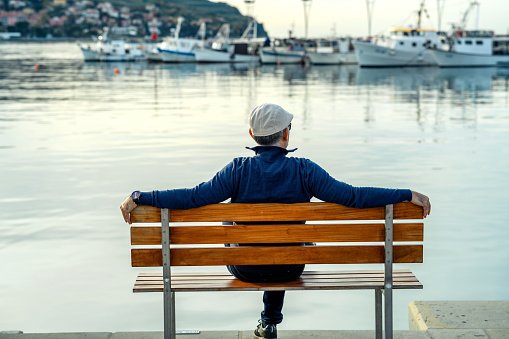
[44,19]
[22,27]
[36,5]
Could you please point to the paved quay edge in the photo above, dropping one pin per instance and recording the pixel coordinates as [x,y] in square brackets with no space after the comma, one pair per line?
[293,334]
[427,320]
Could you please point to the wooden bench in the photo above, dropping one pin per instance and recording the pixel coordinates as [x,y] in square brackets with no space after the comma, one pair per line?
[338,226]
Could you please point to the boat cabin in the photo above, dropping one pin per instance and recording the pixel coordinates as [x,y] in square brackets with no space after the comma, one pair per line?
[409,38]
[478,42]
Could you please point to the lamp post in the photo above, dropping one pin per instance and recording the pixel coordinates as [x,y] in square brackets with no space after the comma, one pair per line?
[252,29]
[440,9]
[370,4]
[307,9]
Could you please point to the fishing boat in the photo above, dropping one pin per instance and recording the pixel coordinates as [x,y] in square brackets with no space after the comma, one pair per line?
[332,52]
[401,46]
[475,48]
[283,51]
[112,50]
[326,52]
[347,51]
[176,49]
[472,48]
[223,50]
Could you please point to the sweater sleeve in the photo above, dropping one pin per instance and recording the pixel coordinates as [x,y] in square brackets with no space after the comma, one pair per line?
[216,190]
[326,188]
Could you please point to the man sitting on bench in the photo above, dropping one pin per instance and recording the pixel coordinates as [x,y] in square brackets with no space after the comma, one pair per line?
[271,177]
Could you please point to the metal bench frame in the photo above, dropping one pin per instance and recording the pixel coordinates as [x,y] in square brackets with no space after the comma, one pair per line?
[383,314]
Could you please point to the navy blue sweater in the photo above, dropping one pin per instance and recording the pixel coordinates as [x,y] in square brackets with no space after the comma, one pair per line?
[272,177]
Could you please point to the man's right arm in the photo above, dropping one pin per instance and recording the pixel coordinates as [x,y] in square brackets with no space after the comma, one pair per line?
[216,190]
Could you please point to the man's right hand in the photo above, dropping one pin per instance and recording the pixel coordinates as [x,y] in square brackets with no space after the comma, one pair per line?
[420,199]
[126,207]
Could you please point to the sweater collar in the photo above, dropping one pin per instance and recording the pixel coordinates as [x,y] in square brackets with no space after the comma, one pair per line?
[270,150]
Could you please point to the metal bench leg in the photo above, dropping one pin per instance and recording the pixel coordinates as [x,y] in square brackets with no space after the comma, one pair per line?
[388,281]
[169,296]
[378,313]
[388,313]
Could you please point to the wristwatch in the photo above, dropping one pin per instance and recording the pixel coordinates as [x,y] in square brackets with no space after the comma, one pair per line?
[136,197]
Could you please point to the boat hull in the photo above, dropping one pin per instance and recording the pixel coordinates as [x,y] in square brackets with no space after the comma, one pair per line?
[372,55]
[455,59]
[90,55]
[211,56]
[317,58]
[113,51]
[274,56]
[176,56]
[349,58]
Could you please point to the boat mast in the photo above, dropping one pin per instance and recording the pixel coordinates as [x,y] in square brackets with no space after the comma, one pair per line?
[419,14]
[177,29]
[369,5]
[307,10]
[463,22]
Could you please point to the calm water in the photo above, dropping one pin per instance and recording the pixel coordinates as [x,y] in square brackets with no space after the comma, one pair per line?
[76,139]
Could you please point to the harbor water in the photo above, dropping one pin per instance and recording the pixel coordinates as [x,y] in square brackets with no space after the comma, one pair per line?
[76,138]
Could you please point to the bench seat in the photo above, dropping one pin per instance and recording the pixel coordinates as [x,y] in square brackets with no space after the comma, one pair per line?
[309,280]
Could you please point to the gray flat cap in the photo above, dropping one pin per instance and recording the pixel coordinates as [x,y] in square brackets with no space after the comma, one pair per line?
[267,119]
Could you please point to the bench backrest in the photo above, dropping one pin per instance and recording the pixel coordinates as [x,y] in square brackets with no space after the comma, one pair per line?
[338,231]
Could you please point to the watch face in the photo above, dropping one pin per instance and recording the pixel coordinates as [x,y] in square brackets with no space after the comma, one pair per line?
[136,196]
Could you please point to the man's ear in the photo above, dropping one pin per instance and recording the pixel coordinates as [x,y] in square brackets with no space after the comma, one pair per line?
[251,133]
[286,134]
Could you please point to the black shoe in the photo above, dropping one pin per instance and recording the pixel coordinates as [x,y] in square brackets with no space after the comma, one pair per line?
[265,330]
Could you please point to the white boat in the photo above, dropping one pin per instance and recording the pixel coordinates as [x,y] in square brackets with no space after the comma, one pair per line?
[475,48]
[400,47]
[222,50]
[285,51]
[326,52]
[347,51]
[112,50]
[332,52]
[235,53]
[472,48]
[176,49]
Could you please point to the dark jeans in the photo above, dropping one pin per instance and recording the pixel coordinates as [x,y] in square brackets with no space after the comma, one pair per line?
[272,300]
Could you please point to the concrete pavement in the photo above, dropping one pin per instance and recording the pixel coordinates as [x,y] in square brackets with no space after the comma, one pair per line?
[427,320]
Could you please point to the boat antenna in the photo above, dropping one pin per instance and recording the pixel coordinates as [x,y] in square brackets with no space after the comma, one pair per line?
[369,5]
[307,10]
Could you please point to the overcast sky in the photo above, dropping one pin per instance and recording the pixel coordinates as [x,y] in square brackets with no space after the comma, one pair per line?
[349,17]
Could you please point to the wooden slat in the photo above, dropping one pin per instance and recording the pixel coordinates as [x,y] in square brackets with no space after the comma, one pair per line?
[196,277]
[246,234]
[309,280]
[266,255]
[222,275]
[274,212]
